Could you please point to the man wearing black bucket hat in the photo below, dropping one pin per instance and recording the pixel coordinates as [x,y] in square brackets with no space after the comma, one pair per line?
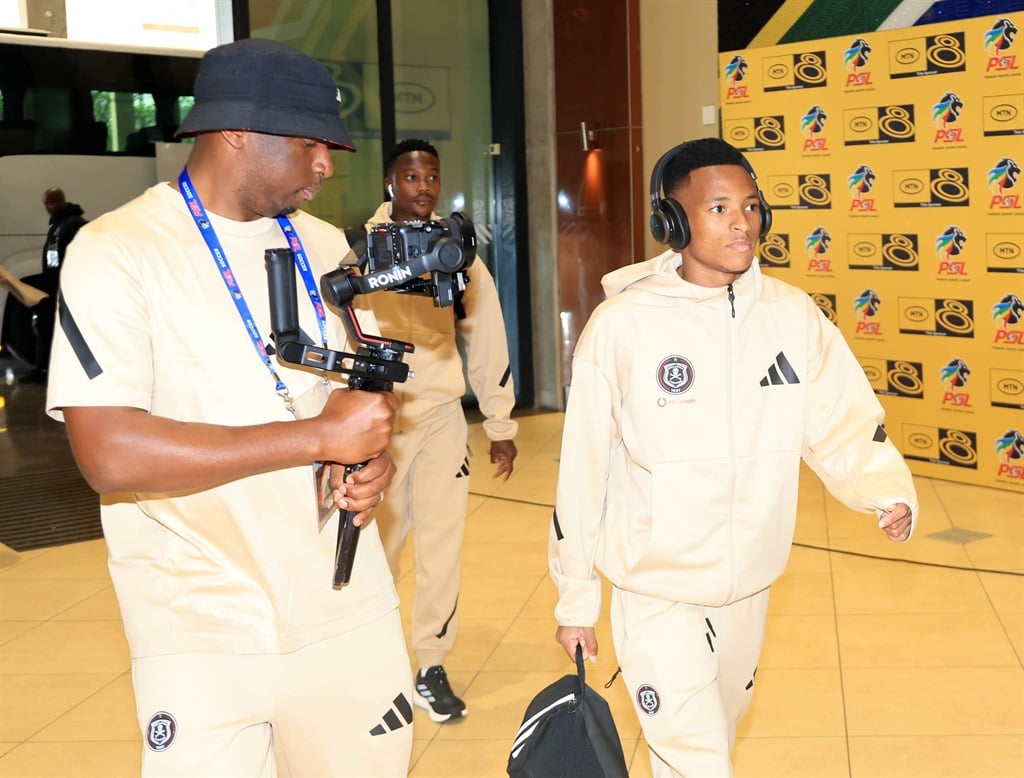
[245,660]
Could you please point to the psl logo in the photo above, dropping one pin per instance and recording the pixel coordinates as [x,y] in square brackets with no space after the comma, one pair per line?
[1010,449]
[774,251]
[1008,313]
[997,41]
[1000,178]
[817,244]
[954,377]
[949,246]
[944,113]
[860,182]
[855,58]
[812,123]
[827,305]
[735,72]
[866,306]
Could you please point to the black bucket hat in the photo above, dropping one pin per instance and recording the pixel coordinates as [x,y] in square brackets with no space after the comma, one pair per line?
[265,86]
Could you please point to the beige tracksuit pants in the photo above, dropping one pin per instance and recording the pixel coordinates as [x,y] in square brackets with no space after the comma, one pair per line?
[427,497]
[690,673]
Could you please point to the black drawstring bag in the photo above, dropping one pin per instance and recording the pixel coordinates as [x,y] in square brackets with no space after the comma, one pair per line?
[568,732]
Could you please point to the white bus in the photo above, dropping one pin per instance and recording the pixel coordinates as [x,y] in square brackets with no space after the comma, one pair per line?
[95,120]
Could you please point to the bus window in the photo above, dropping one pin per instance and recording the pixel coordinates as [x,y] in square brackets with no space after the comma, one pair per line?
[97,121]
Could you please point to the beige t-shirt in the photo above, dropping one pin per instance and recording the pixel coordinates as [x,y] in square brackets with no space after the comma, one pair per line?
[147,322]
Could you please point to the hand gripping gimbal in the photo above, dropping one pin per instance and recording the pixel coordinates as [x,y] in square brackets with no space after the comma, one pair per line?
[399,257]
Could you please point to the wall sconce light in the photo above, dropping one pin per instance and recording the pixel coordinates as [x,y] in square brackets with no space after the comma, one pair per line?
[586,137]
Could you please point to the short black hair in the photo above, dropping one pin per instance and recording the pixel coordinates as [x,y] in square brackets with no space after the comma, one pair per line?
[694,154]
[404,147]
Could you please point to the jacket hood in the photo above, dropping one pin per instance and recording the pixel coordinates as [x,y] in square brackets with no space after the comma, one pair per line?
[659,276]
[69,209]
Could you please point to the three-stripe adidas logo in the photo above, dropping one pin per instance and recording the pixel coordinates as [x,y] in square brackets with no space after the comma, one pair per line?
[780,373]
[397,716]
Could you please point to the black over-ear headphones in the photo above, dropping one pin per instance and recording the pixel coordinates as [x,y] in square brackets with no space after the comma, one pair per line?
[669,224]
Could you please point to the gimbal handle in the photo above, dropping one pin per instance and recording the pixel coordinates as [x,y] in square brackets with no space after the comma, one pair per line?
[376,366]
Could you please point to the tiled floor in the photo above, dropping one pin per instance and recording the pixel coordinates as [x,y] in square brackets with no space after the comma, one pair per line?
[881,659]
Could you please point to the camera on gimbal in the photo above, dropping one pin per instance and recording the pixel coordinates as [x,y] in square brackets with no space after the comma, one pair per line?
[395,254]
[418,257]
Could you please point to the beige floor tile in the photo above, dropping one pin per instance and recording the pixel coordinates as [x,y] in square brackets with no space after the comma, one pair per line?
[12,629]
[949,756]
[812,559]
[802,593]
[511,558]
[475,644]
[997,553]
[501,521]
[30,703]
[542,601]
[460,759]
[63,647]
[924,640]
[1013,623]
[794,702]
[108,714]
[639,762]
[800,641]
[934,700]
[118,759]
[494,598]
[792,757]
[529,645]
[978,505]
[43,598]
[75,560]
[871,586]
[101,606]
[1006,592]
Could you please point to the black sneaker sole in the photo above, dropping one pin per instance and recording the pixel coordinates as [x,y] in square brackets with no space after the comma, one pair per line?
[422,702]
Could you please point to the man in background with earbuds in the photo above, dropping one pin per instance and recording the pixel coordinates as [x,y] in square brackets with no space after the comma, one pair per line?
[430,490]
[697,387]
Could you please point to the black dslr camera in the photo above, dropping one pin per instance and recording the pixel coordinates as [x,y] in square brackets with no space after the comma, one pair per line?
[424,258]
[395,255]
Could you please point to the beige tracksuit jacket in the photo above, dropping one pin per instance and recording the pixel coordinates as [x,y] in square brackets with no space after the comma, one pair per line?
[687,418]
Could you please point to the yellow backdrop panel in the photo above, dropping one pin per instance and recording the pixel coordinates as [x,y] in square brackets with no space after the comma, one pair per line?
[892,162]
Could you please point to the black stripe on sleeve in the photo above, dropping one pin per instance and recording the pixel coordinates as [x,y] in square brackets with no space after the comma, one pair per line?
[504,378]
[74,335]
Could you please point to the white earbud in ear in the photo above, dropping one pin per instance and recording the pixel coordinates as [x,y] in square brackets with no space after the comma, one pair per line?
[391,191]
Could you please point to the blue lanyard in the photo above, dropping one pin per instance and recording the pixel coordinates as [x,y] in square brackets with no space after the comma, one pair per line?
[195,207]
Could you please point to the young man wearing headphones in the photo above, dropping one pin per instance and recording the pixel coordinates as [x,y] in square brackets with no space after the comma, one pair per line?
[697,388]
